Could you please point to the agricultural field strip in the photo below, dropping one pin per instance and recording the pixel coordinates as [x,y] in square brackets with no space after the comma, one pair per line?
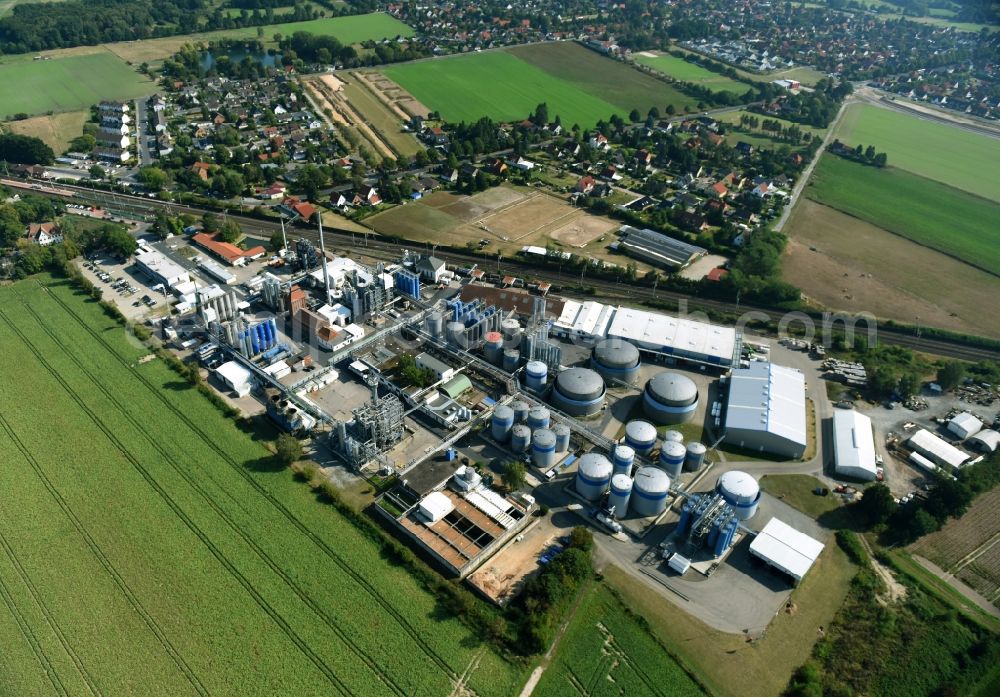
[975,554]
[334,626]
[24,627]
[180,513]
[288,515]
[97,552]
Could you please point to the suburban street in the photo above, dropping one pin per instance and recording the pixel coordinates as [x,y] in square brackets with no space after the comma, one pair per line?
[142,131]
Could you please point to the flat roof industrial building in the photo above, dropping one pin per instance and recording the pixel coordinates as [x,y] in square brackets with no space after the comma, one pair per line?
[161,267]
[657,248]
[684,339]
[766,410]
[781,546]
[853,445]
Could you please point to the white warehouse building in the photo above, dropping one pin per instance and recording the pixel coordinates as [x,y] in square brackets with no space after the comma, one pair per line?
[766,410]
[853,445]
[683,339]
[782,547]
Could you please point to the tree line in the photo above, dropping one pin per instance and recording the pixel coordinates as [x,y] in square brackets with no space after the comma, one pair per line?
[859,153]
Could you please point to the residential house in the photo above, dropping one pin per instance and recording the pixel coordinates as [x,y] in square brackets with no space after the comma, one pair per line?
[203,170]
[585,185]
[294,207]
[44,234]
[366,196]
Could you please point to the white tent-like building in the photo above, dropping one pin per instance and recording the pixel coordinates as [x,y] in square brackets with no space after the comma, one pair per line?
[766,410]
[965,425]
[853,445]
[937,450]
[783,547]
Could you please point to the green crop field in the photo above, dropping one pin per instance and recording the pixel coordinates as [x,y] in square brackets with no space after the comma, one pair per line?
[925,211]
[578,85]
[351,29]
[608,79]
[606,652]
[148,546]
[680,69]
[948,154]
[67,84]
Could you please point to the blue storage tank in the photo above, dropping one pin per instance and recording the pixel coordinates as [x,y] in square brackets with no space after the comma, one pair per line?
[539,417]
[713,534]
[685,519]
[535,374]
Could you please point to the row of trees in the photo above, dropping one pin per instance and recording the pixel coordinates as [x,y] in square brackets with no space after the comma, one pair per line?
[25,150]
[859,153]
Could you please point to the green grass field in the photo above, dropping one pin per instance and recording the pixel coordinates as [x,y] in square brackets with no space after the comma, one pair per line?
[925,211]
[797,491]
[578,85]
[606,652]
[608,79]
[148,546]
[947,154]
[67,84]
[680,69]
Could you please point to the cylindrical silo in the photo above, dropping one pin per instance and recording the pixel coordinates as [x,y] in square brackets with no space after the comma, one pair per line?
[520,438]
[511,357]
[673,436]
[623,457]
[511,330]
[562,437]
[434,324]
[543,448]
[672,458]
[493,347]
[640,436]
[521,409]
[621,491]
[535,374]
[593,476]
[617,361]
[579,392]
[670,398]
[456,334]
[539,417]
[741,491]
[695,456]
[649,491]
[503,420]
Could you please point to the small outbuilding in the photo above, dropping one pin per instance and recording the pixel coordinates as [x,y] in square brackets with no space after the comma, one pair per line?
[853,445]
[235,377]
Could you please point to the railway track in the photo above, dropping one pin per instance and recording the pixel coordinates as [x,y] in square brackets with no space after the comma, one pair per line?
[263,229]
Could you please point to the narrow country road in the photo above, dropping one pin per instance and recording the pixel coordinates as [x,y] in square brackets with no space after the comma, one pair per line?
[807,172]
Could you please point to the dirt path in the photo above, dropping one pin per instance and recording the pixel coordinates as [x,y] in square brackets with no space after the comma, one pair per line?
[959,586]
[537,673]
[895,591]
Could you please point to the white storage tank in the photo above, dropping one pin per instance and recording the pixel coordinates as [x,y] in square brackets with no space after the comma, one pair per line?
[640,436]
[511,330]
[434,324]
[539,417]
[616,360]
[741,491]
[672,456]
[503,420]
[521,410]
[695,457]
[623,457]
[673,436]
[649,491]
[520,438]
[535,374]
[621,491]
[563,433]
[579,392]
[593,476]
[670,398]
[543,449]
[455,334]
[493,347]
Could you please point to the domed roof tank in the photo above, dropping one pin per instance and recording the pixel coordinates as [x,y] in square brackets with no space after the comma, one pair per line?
[741,491]
[640,435]
[649,491]
[593,476]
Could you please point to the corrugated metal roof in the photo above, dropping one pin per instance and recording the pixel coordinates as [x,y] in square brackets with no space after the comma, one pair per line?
[769,398]
[937,448]
[785,548]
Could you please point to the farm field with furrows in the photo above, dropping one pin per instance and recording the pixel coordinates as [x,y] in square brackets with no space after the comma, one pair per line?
[943,218]
[969,547]
[67,83]
[197,566]
[680,69]
[578,85]
[947,154]
[606,652]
